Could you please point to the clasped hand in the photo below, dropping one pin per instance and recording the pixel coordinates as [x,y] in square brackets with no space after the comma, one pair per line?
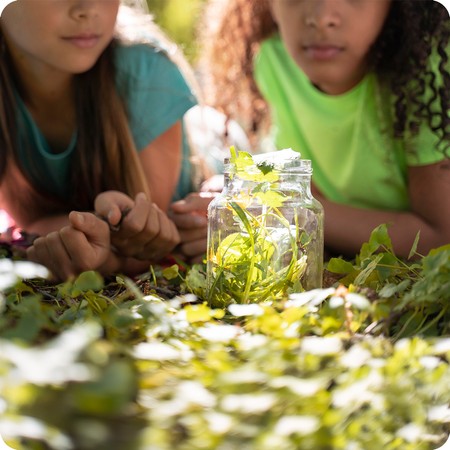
[190,216]
[139,229]
[119,228]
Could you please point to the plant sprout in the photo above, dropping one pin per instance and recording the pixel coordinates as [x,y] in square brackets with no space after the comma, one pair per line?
[257,248]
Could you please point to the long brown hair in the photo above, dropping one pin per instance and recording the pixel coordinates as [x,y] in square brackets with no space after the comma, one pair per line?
[105,156]
[234,29]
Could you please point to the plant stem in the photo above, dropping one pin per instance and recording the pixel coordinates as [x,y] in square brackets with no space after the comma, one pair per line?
[243,216]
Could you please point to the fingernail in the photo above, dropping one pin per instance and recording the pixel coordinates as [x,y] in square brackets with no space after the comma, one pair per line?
[80,218]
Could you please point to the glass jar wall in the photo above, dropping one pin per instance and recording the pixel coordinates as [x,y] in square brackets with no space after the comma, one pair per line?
[265,230]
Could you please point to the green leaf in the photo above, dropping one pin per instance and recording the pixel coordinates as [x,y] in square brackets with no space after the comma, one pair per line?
[272,199]
[378,238]
[339,265]
[368,271]
[242,160]
[391,290]
[265,167]
[247,169]
[87,281]
[414,246]
[172,272]
[195,281]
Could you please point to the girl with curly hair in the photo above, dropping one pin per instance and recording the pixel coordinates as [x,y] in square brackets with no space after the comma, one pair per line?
[361,88]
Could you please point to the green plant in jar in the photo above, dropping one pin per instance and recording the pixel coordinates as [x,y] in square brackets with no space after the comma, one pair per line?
[265,230]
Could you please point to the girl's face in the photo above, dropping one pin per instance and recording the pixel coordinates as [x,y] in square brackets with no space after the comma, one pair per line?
[330,39]
[64,35]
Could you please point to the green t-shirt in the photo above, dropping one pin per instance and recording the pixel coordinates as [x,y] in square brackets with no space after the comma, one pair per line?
[156,96]
[347,137]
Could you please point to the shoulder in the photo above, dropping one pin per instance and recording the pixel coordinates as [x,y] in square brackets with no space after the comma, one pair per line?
[272,42]
[274,68]
[272,46]
[153,88]
[147,69]
[142,60]
[273,56]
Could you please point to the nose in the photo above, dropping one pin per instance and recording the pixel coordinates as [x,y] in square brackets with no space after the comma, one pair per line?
[82,9]
[323,13]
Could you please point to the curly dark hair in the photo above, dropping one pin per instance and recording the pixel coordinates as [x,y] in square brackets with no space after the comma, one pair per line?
[234,29]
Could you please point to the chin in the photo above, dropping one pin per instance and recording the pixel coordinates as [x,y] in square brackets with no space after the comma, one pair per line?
[78,69]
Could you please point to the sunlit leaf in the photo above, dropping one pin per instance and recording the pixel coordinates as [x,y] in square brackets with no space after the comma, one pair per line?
[170,273]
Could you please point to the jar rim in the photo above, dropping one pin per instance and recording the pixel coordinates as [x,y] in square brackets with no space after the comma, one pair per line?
[281,161]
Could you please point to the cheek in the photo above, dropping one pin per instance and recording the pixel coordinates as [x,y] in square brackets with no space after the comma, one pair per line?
[11,22]
[112,11]
[367,36]
[109,24]
[373,27]
[291,34]
[21,36]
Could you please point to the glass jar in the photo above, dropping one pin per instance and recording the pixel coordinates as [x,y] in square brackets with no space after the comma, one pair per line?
[265,230]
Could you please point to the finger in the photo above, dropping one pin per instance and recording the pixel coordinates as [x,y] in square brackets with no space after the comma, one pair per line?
[192,234]
[159,242]
[162,243]
[138,228]
[213,184]
[137,219]
[38,252]
[90,225]
[189,221]
[111,205]
[195,248]
[87,240]
[84,255]
[198,202]
[51,252]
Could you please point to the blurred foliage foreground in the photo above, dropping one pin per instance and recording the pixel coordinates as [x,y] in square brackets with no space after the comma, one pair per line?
[362,364]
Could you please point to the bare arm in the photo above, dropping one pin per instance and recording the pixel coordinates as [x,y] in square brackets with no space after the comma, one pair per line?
[47,224]
[347,228]
[161,161]
[30,210]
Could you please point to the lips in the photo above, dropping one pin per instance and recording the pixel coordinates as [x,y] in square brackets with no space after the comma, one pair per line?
[84,41]
[323,52]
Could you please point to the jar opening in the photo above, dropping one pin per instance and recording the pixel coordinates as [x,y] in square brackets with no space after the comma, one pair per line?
[281,161]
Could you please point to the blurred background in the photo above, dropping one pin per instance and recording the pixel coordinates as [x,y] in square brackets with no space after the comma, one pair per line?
[179,20]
